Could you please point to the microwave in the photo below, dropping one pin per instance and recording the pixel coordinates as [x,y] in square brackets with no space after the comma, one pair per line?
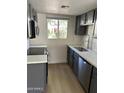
[32,29]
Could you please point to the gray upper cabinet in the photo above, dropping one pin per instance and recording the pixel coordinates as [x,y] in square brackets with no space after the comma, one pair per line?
[90,17]
[80,30]
[95,15]
[77,25]
[83,19]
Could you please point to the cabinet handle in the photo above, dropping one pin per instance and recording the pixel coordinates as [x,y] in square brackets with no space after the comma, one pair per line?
[37,30]
[84,62]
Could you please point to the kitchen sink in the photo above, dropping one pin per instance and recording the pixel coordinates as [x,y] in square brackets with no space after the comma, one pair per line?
[81,49]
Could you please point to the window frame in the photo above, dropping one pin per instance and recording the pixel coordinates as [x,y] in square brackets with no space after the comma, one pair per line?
[58,28]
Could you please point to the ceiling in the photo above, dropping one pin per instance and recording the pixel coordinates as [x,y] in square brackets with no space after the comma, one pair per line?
[54,6]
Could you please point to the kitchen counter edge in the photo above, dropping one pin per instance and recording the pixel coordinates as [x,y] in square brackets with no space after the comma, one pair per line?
[89,56]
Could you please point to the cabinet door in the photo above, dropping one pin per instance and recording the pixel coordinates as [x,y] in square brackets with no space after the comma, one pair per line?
[46,73]
[75,64]
[68,55]
[83,19]
[36,77]
[80,30]
[93,84]
[84,73]
[95,16]
[71,56]
[89,17]
[77,28]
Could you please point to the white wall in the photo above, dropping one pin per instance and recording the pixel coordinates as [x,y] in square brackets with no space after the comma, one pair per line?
[28,43]
[57,48]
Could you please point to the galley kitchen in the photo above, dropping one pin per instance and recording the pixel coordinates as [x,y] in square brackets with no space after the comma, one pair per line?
[61,46]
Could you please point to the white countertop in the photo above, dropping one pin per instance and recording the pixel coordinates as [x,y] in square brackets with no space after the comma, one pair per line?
[34,59]
[89,56]
[38,46]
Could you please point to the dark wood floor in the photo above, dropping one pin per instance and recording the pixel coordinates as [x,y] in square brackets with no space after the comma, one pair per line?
[62,80]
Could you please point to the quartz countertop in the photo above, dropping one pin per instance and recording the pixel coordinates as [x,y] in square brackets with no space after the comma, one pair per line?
[90,56]
[34,59]
[38,46]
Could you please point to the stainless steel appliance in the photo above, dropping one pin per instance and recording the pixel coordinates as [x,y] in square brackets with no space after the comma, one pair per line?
[84,73]
[32,24]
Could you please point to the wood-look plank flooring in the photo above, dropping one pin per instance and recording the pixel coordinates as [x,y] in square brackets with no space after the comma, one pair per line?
[62,80]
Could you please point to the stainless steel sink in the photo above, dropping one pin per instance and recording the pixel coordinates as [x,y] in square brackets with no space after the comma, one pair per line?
[81,49]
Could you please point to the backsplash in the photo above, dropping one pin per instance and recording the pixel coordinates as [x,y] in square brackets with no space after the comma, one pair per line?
[84,41]
[94,44]
[88,41]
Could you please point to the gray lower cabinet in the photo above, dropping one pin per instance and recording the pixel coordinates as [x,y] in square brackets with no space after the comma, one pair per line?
[93,84]
[70,57]
[75,63]
[84,73]
[36,77]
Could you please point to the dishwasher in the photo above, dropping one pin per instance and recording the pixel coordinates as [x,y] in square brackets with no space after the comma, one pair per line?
[84,73]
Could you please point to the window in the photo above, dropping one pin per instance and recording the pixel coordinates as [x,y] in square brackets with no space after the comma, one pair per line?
[57,28]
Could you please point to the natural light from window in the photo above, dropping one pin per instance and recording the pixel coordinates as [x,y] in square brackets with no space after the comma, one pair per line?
[57,28]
